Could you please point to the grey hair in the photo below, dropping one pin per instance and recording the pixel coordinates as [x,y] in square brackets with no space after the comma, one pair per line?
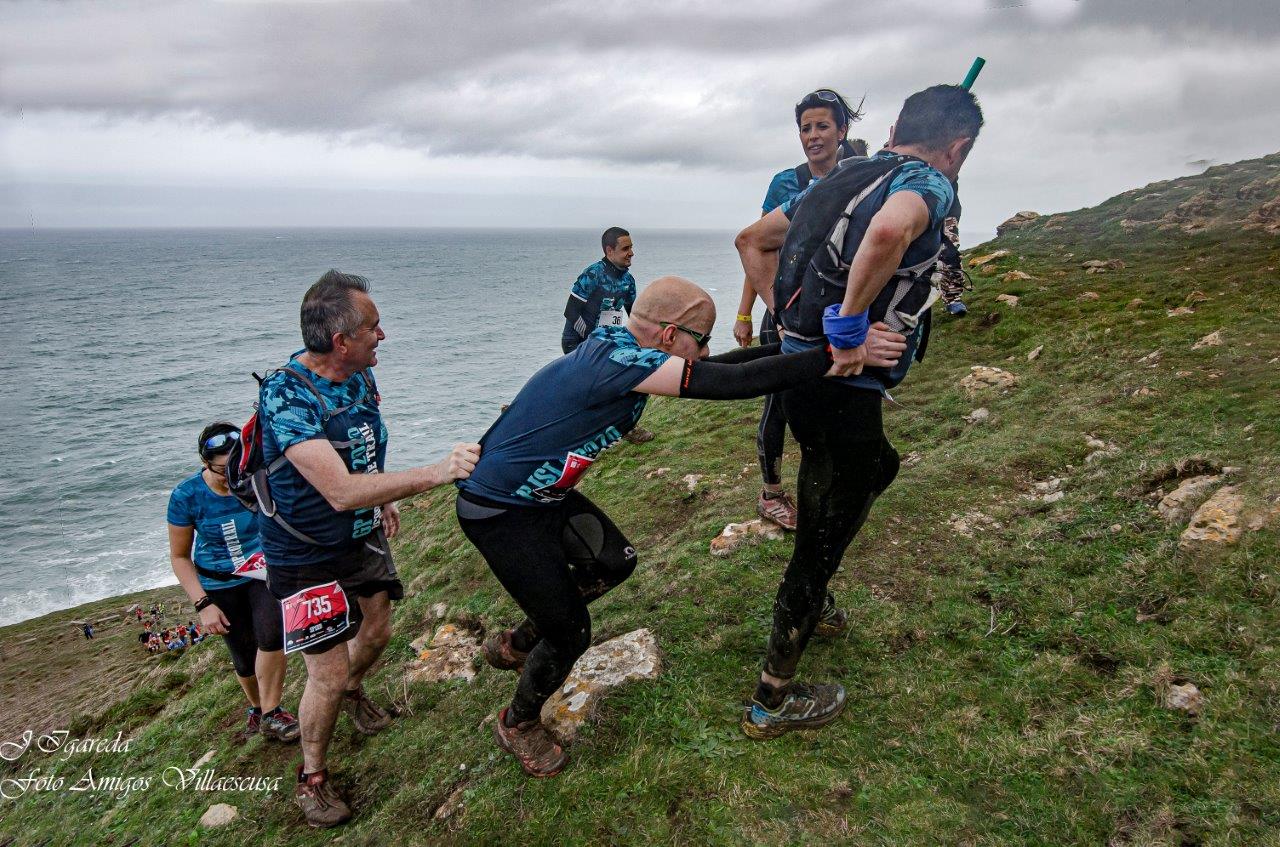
[328,309]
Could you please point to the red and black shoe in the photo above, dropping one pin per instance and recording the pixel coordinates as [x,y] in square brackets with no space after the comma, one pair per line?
[532,744]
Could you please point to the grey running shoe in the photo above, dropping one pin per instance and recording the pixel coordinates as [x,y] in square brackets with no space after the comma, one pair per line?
[320,802]
[499,652]
[805,707]
[779,509]
[532,745]
[833,620]
[639,435]
[280,726]
[367,715]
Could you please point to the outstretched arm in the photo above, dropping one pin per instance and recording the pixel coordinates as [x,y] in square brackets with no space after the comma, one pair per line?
[703,379]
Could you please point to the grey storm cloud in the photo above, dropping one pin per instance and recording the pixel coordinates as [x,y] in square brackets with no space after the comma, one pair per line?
[691,84]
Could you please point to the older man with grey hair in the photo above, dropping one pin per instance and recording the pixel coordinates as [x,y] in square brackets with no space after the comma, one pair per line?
[330,510]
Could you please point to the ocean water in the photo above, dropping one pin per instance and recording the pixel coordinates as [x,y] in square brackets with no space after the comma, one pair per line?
[119,346]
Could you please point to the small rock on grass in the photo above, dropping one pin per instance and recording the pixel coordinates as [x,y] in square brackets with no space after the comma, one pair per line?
[451,806]
[219,814]
[1016,276]
[977,416]
[982,377]
[735,536]
[1035,354]
[1186,698]
[1219,522]
[1213,339]
[1180,312]
[1088,295]
[1010,299]
[451,655]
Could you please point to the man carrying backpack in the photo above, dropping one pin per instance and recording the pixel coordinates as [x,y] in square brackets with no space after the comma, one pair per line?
[849,266]
[325,541]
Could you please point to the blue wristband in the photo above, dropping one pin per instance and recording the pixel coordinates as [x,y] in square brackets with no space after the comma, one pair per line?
[844,331]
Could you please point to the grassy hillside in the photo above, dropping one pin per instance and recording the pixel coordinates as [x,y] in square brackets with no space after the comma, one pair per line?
[1009,657]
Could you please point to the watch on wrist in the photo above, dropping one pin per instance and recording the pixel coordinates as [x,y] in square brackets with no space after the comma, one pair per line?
[203,603]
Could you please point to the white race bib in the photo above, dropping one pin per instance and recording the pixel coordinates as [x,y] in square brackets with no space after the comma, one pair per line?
[612,317]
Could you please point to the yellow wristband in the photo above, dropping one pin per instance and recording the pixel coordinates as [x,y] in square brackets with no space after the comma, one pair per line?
[746,318]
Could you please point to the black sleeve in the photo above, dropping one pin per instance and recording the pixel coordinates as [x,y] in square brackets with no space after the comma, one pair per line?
[707,380]
[745,354]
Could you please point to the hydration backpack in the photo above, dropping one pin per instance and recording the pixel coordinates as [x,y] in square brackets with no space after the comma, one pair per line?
[813,265]
[247,471]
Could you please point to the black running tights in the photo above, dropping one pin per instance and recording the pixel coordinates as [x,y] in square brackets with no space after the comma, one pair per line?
[773,422]
[845,463]
[553,560]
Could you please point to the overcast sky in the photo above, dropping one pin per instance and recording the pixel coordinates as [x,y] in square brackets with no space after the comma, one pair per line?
[644,114]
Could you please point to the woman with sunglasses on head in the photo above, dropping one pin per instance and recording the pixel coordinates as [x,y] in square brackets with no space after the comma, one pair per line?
[217,557]
[823,118]
[551,548]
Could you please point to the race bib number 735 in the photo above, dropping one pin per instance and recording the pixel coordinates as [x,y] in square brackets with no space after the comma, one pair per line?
[313,615]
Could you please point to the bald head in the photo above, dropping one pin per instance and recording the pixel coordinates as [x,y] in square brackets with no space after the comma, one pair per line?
[676,300]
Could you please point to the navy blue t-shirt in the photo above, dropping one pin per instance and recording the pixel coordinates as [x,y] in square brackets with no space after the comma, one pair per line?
[289,414]
[564,416]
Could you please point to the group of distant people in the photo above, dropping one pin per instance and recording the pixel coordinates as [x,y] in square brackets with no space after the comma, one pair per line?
[848,310]
[169,639]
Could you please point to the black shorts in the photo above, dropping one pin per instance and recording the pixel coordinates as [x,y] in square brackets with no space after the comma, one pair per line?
[364,572]
[254,619]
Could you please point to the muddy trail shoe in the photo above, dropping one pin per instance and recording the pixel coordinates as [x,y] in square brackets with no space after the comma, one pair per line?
[320,802]
[367,715]
[280,726]
[639,435]
[499,653]
[833,620]
[778,508]
[532,745]
[805,707]
[253,723]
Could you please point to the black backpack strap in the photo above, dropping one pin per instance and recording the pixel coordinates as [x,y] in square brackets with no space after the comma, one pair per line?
[803,175]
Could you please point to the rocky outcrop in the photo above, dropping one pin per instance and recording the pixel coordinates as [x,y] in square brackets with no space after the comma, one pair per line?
[1178,505]
[633,656]
[1018,221]
[982,261]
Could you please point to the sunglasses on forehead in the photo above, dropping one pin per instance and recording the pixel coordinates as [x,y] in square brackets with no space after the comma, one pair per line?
[703,338]
[827,95]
